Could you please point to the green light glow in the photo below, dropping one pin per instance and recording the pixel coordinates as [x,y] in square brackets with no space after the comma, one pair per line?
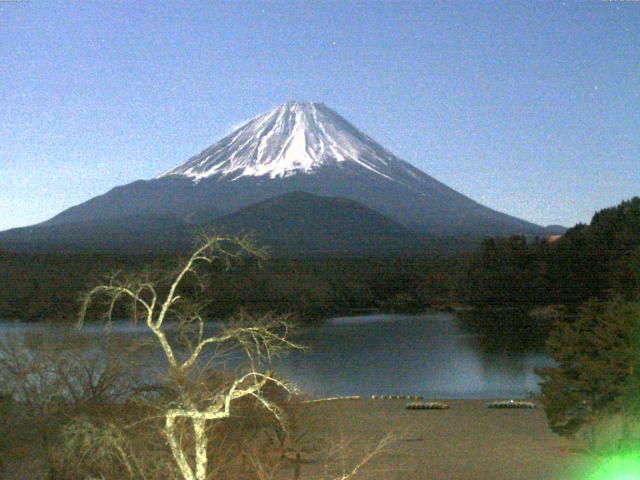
[619,467]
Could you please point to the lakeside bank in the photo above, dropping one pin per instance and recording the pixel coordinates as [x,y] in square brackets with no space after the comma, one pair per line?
[468,441]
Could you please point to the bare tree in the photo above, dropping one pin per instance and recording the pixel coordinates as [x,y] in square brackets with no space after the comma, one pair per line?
[331,459]
[50,375]
[198,402]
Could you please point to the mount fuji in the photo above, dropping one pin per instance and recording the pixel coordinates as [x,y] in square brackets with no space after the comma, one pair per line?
[296,147]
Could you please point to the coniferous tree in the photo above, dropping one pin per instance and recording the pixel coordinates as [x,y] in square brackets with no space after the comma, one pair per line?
[597,355]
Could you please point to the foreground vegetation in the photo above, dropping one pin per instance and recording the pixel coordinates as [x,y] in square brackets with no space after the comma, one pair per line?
[95,415]
[79,407]
[597,377]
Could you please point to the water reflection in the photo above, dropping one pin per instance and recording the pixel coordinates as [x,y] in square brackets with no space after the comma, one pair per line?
[505,329]
[438,355]
[430,354]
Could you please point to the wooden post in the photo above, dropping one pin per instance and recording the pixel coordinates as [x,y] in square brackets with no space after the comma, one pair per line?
[296,468]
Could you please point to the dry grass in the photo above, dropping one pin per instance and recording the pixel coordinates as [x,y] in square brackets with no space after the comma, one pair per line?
[327,439]
[466,442]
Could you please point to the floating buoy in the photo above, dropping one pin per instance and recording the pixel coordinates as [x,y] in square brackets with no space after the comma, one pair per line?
[427,406]
[511,404]
[397,397]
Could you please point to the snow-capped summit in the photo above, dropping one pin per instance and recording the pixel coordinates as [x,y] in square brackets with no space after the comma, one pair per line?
[297,137]
[296,147]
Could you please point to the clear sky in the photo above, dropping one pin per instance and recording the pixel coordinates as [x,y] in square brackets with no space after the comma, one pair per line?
[532,108]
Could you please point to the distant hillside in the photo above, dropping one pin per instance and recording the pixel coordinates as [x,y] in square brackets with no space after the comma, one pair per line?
[133,234]
[554,230]
[301,223]
[294,224]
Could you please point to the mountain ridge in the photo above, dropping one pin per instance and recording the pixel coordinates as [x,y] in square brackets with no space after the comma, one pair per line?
[295,223]
[299,222]
[298,147]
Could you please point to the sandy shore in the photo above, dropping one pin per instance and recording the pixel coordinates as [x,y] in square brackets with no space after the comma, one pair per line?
[467,442]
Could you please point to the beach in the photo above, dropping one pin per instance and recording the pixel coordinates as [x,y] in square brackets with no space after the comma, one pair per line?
[468,441]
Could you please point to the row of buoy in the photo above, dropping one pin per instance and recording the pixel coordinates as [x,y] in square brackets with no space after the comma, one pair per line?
[511,404]
[445,406]
[435,405]
[427,406]
[397,397]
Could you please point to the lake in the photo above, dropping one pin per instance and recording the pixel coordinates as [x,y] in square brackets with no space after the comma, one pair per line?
[431,354]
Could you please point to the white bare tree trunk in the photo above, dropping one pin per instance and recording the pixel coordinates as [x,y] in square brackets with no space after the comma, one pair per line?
[257,340]
[176,449]
[201,440]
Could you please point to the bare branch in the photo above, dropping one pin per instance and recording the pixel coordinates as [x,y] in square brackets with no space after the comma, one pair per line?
[260,338]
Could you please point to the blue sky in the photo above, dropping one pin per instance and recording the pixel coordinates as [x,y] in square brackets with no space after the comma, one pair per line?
[532,108]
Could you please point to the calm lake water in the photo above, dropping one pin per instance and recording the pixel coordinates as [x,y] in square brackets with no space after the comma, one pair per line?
[430,354]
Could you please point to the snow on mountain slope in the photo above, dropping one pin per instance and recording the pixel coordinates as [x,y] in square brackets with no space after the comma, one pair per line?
[297,137]
[298,147]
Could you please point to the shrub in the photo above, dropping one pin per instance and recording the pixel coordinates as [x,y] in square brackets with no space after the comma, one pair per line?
[597,355]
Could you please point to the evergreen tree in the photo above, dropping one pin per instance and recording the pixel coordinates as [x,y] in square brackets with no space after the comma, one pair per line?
[597,356]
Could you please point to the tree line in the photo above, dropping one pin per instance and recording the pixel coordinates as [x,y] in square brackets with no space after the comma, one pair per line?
[593,391]
[589,262]
[37,287]
[593,261]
